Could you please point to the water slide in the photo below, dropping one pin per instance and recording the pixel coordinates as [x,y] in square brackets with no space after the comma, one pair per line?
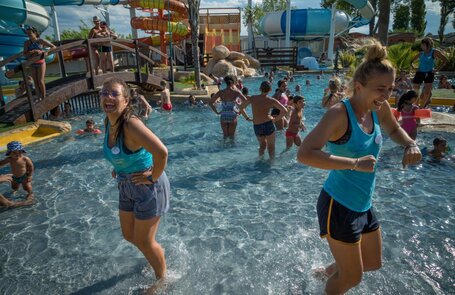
[178,12]
[313,22]
[14,14]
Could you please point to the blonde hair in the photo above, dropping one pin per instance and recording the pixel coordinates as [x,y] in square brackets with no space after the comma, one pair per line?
[374,62]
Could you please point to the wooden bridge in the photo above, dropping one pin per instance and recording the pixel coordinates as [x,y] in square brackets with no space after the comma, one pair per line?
[276,57]
[25,108]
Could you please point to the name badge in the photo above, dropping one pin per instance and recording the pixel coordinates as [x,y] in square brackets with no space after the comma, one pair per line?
[115,150]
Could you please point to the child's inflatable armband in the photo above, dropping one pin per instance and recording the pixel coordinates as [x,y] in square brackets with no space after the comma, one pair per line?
[422,113]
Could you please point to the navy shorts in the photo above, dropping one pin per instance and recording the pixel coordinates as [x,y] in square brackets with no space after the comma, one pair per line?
[264,129]
[427,77]
[341,223]
[145,200]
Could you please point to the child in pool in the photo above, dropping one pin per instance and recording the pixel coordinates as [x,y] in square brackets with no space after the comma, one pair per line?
[21,168]
[295,122]
[407,107]
[439,148]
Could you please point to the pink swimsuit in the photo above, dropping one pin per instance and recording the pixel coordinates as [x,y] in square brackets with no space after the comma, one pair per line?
[409,122]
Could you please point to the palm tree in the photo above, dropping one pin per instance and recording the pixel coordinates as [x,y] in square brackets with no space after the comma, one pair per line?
[249,21]
[383,21]
[193,13]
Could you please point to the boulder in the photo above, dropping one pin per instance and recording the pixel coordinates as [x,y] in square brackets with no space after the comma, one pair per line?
[239,71]
[254,63]
[209,67]
[239,64]
[223,68]
[236,56]
[246,62]
[220,52]
[249,72]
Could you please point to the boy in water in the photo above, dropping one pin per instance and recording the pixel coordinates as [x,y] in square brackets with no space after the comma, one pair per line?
[439,148]
[295,122]
[165,97]
[21,167]
[264,127]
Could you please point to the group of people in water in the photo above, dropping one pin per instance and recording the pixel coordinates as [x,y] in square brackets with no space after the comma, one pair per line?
[347,141]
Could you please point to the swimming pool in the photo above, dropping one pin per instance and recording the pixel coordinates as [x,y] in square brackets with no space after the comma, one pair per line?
[237,224]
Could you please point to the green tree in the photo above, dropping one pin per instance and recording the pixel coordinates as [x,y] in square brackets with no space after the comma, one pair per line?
[402,17]
[193,18]
[447,7]
[341,5]
[248,20]
[418,23]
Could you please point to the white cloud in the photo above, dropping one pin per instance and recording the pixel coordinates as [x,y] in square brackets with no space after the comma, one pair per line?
[70,16]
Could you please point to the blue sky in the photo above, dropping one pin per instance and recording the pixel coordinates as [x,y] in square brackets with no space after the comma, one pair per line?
[70,16]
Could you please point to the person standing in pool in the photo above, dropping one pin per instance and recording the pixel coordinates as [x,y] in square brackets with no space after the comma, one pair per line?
[280,95]
[229,111]
[426,70]
[264,127]
[139,158]
[347,141]
[35,46]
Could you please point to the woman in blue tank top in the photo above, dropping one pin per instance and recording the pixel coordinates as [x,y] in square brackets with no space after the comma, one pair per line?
[426,70]
[351,132]
[139,158]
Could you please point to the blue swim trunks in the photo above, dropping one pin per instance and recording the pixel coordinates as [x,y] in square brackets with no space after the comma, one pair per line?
[264,129]
[145,200]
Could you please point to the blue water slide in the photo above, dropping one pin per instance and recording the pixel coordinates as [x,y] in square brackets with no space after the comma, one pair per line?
[14,14]
[312,22]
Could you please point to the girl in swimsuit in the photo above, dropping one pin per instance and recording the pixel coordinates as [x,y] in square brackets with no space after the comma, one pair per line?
[229,112]
[33,47]
[407,108]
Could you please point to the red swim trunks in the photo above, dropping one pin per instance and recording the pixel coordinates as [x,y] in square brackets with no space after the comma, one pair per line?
[291,134]
[167,107]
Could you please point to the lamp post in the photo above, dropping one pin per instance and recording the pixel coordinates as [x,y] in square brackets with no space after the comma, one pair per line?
[288,24]
[332,32]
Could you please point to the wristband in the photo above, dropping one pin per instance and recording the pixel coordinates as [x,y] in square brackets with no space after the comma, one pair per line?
[410,146]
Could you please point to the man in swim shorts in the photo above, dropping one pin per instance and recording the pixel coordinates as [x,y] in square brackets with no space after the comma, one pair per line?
[264,127]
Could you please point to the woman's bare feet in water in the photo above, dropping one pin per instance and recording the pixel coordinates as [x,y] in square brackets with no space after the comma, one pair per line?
[323,274]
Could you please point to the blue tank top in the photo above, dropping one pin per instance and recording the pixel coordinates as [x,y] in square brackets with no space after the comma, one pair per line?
[123,160]
[354,189]
[426,62]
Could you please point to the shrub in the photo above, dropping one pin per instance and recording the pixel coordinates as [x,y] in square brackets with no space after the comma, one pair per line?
[400,55]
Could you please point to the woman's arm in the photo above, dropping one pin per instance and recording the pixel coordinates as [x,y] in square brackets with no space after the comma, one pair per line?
[212,101]
[331,127]
[242,111]
[47,43]
[243,106]
[414,59]
[144,137]
[283,110]
[442,57]
[391,127]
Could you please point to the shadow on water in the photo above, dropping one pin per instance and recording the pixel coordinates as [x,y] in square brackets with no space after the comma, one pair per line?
[69,159]
[102,285]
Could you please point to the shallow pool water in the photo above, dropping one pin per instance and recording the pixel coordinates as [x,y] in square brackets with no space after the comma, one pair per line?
[237,225]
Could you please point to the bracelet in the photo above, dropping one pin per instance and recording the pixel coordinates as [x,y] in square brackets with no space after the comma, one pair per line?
[355,165]
[410,146]
[150,178]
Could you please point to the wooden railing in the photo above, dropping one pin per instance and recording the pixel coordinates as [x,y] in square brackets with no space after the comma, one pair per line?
[141,51]
[277,56]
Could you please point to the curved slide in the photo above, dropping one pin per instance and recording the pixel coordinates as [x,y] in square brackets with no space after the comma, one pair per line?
[178,12]
[16,13]
[312,22]
[13,15]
